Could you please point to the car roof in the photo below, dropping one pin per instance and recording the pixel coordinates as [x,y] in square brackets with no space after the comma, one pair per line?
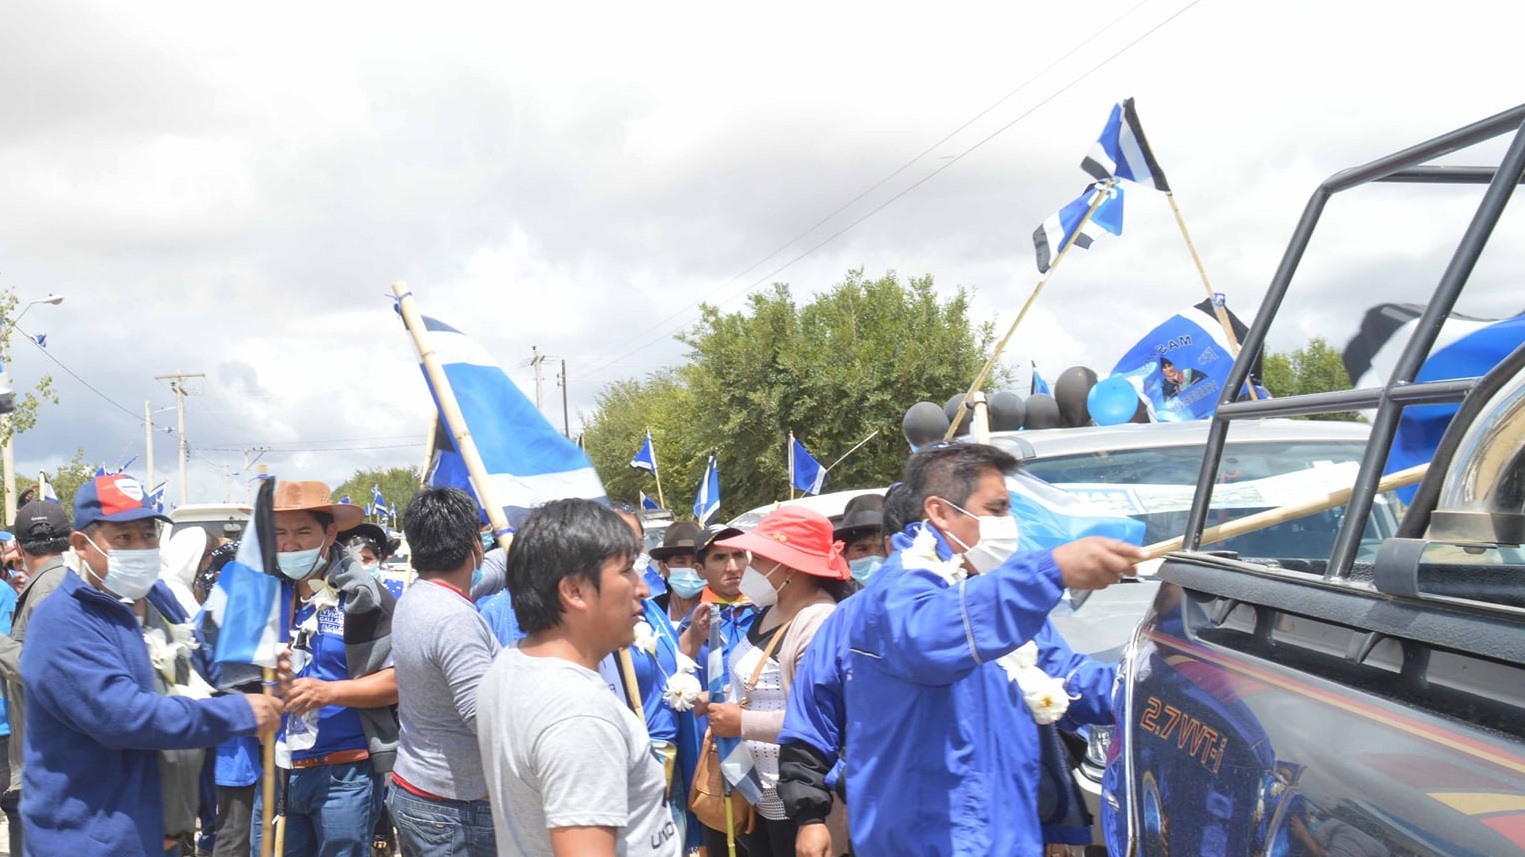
[1048,443]
[830,505]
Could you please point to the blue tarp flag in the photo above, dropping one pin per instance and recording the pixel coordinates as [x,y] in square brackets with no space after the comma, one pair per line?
[247,616]
[1179,366]
[707,503]
[1122,151]
[807,474]
[1048,517]
[1039,386]
[648,504]
[1052,234]
[646,459]
[735,759]
[528,461]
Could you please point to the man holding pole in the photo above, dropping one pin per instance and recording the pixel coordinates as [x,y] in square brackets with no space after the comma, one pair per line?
[341,724]
[96,726]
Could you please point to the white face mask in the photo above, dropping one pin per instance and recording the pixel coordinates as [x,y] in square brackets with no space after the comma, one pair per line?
[758,587]
[997,542]
[129,573]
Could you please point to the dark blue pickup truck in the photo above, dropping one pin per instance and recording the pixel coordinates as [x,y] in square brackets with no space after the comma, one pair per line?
[1370,700]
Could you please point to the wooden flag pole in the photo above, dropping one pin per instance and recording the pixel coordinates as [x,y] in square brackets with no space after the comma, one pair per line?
[450,410]
[267,812]
[857,446]
[791,465]
[979,380]
[1282,514]
[1212,298]
[656,472]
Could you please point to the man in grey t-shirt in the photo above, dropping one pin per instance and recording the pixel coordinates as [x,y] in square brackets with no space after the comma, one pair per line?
[569,769]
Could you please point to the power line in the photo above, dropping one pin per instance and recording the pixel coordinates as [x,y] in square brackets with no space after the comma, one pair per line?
[75,375]
[923,180]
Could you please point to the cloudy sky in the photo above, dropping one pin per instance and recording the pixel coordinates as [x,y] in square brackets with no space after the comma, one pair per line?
[231,190]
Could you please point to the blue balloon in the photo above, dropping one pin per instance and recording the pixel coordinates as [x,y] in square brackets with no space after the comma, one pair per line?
[1112,401]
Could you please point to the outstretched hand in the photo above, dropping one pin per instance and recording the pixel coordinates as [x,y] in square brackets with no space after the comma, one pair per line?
[1095,562]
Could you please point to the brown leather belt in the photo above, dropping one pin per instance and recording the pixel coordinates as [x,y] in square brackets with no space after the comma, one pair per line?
[340,757]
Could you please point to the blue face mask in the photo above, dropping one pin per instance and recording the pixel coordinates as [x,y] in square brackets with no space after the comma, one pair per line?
[476,578]
[297,565]
[685,581]
[864,566]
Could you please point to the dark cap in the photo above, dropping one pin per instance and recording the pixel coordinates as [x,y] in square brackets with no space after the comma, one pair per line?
[680,537]
[712,534]
[41,520]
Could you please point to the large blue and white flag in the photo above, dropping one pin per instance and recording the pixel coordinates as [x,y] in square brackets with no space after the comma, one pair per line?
[646,458]
[1039,385]
[805,472]
[247,617]
[1048,516]
[1122,151]
[528,461]
[648,504]
[707,503]
[1179,366]
[738,774]
[1052,234]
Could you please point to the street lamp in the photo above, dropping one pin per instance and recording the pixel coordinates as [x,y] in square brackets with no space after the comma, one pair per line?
[7,456]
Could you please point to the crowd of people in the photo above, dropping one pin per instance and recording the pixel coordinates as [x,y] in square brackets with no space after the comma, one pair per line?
[888,684]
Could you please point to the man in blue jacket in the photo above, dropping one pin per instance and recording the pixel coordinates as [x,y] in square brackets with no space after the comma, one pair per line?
[95,724]
[953,666]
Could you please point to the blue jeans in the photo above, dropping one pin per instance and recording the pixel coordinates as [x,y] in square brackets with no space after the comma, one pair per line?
[330,811]
[441,828]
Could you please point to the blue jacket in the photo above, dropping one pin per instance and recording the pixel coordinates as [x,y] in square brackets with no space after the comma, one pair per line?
[944,758]
[90,783]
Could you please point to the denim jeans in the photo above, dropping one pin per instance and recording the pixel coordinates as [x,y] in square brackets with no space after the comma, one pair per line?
[330,811]
[441,828]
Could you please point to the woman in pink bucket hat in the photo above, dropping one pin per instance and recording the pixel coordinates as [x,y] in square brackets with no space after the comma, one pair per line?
[797,575]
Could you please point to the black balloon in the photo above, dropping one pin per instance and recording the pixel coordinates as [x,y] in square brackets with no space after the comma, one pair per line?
[951,410]
[1042,412]
[1006,411]
[1070,391]
[924,423]
[1141,415]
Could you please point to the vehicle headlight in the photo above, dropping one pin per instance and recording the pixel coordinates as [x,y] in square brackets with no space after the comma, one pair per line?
[1097,745]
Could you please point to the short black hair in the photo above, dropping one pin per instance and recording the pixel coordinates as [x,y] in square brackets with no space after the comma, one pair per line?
[441,526]
[952,472]
[563,538]
[898,510]
[45,546]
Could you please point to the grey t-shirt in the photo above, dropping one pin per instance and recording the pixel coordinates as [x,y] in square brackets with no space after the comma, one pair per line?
[441,647]
[559,750]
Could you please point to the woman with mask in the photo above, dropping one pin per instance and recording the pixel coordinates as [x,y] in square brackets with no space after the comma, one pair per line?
[797,576]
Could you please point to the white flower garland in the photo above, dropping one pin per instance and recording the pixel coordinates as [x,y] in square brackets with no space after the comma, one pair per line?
[166,650]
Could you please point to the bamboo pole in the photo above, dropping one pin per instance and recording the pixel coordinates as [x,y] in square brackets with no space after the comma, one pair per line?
[450,411]
[267,812]
[656,471]
[979,380]
[791,465]
[1282,514]
[1219,310]
[857,446]
[632,687]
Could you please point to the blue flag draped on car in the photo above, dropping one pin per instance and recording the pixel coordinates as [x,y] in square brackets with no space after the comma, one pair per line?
[707,503]
[805,472]
[1053,233]
[247,616]
[1179,366]
[528,461]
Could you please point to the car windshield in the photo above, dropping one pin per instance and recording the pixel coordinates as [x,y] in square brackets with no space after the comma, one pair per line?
[1155,485]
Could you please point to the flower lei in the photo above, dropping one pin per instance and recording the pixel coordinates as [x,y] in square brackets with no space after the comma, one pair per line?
[324,595]
[167,648]
[682,688]
[1047,697]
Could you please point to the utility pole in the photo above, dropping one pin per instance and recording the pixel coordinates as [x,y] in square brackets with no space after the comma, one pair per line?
[148,442]
[177,383]
[227,484]
[566,415]
[536,361]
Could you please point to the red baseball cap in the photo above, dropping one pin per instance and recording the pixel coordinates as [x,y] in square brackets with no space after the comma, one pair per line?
[117,498]
[798,538]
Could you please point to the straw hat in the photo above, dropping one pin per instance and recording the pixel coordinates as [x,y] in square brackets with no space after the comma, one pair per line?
[315,497]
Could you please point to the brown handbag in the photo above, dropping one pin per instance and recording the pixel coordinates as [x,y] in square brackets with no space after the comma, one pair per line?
[707,795]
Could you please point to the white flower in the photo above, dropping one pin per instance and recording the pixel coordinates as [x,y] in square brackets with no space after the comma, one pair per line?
[645,638]
[922,555]
[686,664]
[1048,700]
[682,691]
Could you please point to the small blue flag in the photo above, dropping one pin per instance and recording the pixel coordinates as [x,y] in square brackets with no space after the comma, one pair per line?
[1122,151]
[42,339]
[707,504]
[1059,228]
[646,459]
[805,472]
[1039,385]
[648,504]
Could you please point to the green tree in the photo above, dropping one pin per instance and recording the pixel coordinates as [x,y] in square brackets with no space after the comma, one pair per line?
[27,405]
[832,371]
[1317,367]
[65,480]
[397,485]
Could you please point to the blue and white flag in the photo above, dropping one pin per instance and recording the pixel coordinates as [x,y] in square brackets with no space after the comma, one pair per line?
[738,774]
[247,617]
[1122,151]
[805,472]
[646,458]
[1052,234]
[528,461]
[707,503]
[379,506]
[1179,366]
[648,504]
[44,490]
[1048,516]
[1039,385]
[41,339]
[157,497]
